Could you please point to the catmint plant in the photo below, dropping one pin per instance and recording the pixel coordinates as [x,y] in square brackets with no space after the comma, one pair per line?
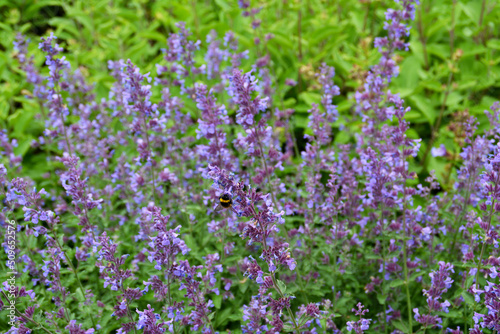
[215,184]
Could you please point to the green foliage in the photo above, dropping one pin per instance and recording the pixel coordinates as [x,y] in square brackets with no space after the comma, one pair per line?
[453,64]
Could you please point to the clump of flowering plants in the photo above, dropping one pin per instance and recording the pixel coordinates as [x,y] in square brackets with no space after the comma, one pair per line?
[185,201]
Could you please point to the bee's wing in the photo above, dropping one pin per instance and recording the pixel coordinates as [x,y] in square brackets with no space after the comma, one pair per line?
[219,208]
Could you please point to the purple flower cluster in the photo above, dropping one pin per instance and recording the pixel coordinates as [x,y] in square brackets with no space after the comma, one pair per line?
[212,118]
[373,96]
[362,324]
[440,283]
[491,319]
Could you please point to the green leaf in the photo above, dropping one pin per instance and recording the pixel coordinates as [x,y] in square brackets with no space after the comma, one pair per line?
[401,326]
[472,9]
[224,5]
[493,44]
[223,316]
[415,275]
[217,299]
[469,280]
[381,298]
[424,105]
[396,283]
[439,50]
[310,98]
[79,294]
[408,79]
[468,298]
[4,109]
[281,286]
[23,146]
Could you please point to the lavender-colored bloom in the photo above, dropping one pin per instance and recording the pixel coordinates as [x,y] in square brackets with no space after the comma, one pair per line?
[494,120]
[165,246]
[7,150]
[374,90]
[109,264]
[198,318]
[110,267]
[325,78]
[258,140]
[77,189]
[180,54]
[56,65]
[492,302]
[214,56]
[255,315]
[148,321]
[231,44]
[136,95]
[250,12]
[440,283]
[212,118]
[73,328]
[248,204]
[241,88]
[362,324]
[438,152]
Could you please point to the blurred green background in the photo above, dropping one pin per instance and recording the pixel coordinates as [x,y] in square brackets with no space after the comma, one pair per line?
[452,66]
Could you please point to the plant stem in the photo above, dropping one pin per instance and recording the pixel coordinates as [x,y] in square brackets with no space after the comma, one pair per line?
[435,128]
[152,158]
[479,264]
[72,269]
[129,314]
[335,269]
[481,18]
[365,19]
[299,276]
[405,265]
[64,299]
[452,30]
[290,313]
[299,30]
[470,182]
[224,231]
[384,250]
[45,146]
[422,37]
[59,98]
[196,19]
[294,139]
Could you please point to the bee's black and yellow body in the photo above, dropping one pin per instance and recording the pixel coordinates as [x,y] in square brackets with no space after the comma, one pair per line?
[225,201]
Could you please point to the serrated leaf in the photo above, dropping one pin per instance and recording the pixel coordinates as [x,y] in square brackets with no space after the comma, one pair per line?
[401,326]
[469,280]
[424,105]
[467,298]
[79,294]
[281,286]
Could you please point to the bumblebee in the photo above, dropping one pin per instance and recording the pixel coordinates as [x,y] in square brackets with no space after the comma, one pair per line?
[225,202]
